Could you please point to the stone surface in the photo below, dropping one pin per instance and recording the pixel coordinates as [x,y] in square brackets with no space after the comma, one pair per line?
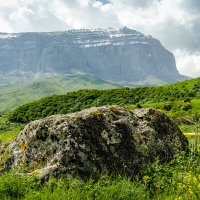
[123,55]
[105,139]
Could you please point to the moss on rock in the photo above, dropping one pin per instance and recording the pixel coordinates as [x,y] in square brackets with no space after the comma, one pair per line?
[108,139]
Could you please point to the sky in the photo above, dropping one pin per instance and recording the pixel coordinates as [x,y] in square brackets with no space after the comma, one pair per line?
[176,23]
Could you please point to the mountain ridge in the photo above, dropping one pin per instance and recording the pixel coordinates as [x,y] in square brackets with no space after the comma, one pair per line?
[118,55]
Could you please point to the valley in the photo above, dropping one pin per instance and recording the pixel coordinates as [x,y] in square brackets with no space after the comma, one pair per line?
[21,91]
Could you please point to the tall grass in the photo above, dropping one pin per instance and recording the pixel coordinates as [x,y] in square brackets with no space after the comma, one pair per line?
[177,180]
[8,130]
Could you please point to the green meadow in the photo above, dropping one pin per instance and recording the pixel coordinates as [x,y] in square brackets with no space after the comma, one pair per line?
[176,180]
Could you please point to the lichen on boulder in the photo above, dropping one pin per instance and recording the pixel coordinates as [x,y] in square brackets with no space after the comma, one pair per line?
[108,139]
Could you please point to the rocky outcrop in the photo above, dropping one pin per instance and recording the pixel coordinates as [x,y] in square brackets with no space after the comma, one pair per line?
[106,139]
[123,55]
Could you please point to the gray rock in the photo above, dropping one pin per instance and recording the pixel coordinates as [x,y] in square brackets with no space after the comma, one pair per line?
[123,55]
[106,139]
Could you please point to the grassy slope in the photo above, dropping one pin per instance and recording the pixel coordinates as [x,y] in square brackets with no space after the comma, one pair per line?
[8,130]
[23,89]
[173,94]
[179,179]
[14,96]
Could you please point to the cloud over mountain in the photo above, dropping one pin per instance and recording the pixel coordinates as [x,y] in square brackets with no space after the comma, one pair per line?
[175,23]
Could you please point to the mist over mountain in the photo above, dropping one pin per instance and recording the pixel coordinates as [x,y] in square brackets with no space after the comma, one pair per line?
[123,55]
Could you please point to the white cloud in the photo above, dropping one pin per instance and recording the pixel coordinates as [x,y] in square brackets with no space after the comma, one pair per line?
[83,3]
[4,25]
[21,15]
[9,3]
[188,64]
[97,4]
[65,14]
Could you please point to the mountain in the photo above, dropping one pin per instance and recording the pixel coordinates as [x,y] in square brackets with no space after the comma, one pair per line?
[123,56]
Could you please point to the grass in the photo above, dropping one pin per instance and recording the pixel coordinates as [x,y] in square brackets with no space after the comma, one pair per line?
[177,100]
[20,93]
[177,180]
[8,130]
[10,135]
[188,128]
[177,112]
[18,90]
[13,186]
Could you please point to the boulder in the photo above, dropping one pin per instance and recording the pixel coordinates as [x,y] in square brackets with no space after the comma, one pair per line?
[108,139]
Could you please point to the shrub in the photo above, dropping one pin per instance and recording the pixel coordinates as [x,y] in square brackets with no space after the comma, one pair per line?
[187,100]
[167,107]
[187,107]
[14,186]
[138,105]
[82,99]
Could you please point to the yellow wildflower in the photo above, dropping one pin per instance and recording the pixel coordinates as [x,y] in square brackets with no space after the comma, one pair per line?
[146,179]
[195,180]
[198,186]
[181,186]
[190,191]
[179,198]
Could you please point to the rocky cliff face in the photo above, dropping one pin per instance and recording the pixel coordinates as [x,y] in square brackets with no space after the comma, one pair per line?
[106,139]
[123,55]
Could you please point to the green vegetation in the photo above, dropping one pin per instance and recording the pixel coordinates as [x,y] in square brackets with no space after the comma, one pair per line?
[182,112]
[8,130]
[177,180]
[180,99]
[26,90]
